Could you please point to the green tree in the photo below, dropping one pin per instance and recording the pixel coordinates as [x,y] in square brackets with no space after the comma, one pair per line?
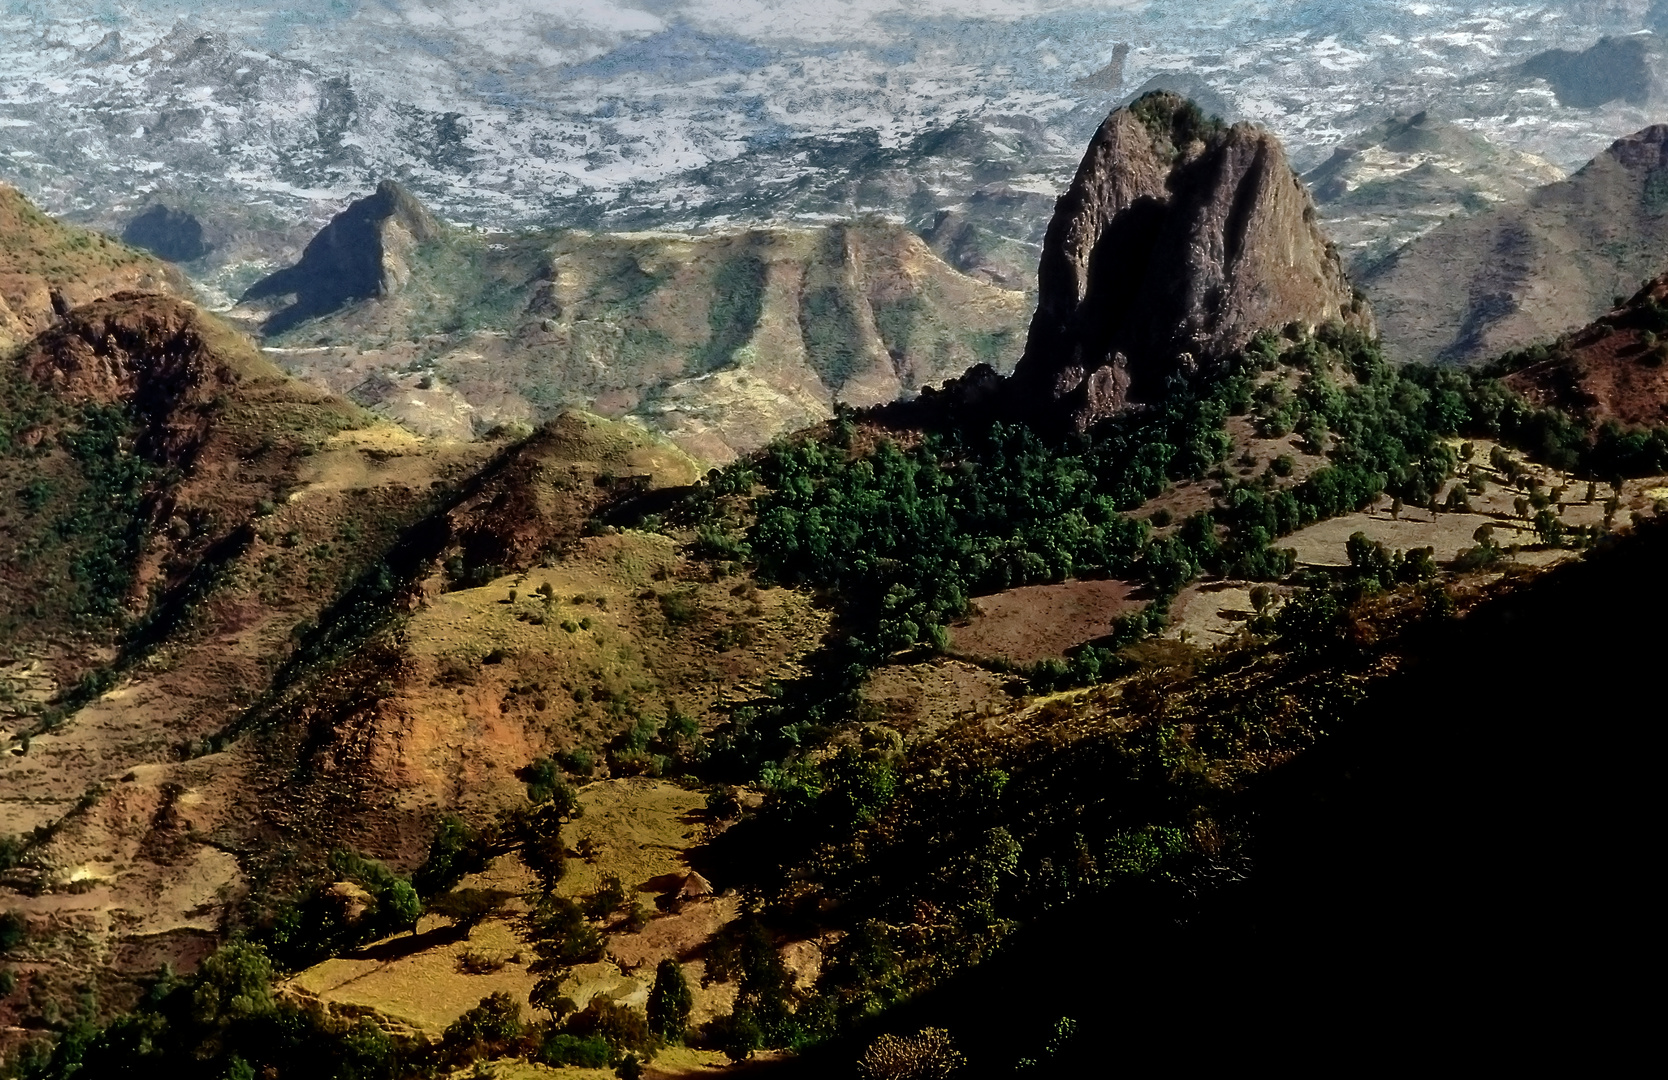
[466,908]
[542,849]
[670,1001]
[234,983]
[1549,528]
[398,906]
[14,928]
[740,1037]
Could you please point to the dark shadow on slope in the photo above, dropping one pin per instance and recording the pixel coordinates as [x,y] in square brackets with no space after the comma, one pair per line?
[1463,872]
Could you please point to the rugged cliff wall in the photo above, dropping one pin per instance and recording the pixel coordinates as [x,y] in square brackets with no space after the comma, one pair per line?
[1178,240]
[365,251]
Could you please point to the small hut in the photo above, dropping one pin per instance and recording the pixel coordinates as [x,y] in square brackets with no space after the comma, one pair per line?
[694,887]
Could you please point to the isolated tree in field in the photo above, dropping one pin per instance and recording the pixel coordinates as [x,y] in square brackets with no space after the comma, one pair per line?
[1261,597]
[1592,491]
[1484,534]
[539,836]
[1521,505]
[1549,528]
[1396,508]
[670,1001]
[561,937]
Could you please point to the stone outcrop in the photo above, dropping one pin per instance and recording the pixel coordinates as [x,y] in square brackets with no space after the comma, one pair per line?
[147,350]
[1178,240]
[364,252]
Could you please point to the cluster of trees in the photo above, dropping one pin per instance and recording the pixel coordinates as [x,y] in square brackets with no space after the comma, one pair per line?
[223,1023]
[363,900]
[931,856]
[226,1022]
[905,536]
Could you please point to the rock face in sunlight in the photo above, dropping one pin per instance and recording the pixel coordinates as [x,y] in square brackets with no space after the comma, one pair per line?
[1178,240]
[364,252]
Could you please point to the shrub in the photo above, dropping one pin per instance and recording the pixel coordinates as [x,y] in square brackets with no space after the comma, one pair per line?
[678,607]
[929,1054]
[490,1029]
[561,1048]
[621,1026]
[738,1035]
[14,930]
[467,907]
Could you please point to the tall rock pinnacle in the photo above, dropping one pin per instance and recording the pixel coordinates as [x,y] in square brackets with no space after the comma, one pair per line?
[1178,240]
[364,252]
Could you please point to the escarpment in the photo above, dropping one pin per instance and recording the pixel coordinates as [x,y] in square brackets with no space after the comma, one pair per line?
[1178,240]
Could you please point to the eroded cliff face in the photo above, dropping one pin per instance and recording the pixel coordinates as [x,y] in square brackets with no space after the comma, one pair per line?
[1178,240]
[364,252]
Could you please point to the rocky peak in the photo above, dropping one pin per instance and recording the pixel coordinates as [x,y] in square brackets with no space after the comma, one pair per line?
[1178,240]
[363,253]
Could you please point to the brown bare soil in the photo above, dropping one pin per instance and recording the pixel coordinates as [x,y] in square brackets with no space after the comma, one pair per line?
[1609,370]
[919,699]
[1039,621]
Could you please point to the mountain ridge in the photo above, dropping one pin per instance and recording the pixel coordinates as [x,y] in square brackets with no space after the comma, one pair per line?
[1472,289]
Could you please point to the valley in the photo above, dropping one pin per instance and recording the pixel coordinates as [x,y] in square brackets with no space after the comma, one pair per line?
[839,560]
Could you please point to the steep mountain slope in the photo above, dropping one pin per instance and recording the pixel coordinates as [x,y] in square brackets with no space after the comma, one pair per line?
[1403,177]
[1472,289]
[47,267]
[1613,370]
[361,254]
[246,621]
[721,341]
[1178,239]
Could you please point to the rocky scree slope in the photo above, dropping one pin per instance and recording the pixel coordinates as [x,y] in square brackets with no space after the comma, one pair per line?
[1178,240]
[1472,289]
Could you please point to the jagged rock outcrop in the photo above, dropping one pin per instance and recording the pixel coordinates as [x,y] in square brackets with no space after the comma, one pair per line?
[364,252]
[1178,240]
[150,351]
